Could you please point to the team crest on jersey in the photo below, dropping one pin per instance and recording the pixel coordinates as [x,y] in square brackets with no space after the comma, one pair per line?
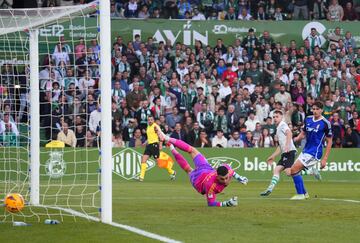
[311,129]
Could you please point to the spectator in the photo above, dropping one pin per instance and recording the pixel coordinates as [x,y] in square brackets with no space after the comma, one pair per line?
[143,13]
[134,97]
[117,141]
[231,14]
[350,138]
[137,140]
[198,15]
[80,135]
[220,121]
[114,11]
[262,110]
[131,9]
[283,96]
[8,132]
[244,15]
[260,14]
[202,141]
[301,7]
[170,9]
[173,118]
[67,135]
[219,141]
[278,16]
[266,140]
[319,10]
[350,13]
[235,141]
[248,141]
[336,12]
[94,121]
[183,7]
[193,134]
[251,122]
[342,107]
[178,133]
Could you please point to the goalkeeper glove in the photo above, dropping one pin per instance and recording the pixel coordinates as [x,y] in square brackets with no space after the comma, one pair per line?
[230,203]
[243,180]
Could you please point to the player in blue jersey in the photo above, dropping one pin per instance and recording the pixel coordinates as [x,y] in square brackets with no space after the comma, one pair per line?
[316,129]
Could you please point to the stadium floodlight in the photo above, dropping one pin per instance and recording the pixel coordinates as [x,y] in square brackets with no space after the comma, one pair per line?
[38,47]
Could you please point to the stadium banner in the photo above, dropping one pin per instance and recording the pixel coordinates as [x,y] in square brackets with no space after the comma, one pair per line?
[343,164]
[188,31]
[208,32]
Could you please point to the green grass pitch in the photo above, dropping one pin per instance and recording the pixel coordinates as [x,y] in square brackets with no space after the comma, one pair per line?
[176,210]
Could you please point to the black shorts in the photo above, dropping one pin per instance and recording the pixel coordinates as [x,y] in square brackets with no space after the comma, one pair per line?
[287,159]
[152,150]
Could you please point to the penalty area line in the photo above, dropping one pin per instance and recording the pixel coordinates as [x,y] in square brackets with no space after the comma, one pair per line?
[114,224]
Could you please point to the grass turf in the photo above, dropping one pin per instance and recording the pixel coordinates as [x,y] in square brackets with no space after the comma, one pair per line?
[175,210]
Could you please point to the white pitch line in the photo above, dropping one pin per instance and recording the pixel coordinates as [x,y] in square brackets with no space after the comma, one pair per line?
[240,198]
[341,200]
[145,233]
[122,226]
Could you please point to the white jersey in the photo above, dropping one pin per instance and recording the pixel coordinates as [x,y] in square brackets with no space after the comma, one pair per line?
[281,135]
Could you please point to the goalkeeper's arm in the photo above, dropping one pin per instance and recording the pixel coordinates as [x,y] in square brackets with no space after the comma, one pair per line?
[239,178]
[211,198]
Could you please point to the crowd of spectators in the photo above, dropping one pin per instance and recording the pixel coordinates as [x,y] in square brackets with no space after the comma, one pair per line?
[332,10]
[208,96]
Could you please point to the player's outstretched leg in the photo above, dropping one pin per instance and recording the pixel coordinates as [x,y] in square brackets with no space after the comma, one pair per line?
[180,160]
[274,181]
[176,142]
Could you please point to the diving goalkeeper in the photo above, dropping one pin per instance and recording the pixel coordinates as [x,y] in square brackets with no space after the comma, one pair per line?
[204,178]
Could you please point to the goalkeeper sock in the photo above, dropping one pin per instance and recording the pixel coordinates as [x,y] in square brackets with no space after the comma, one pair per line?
[181,160]
[299,184]
[143,170]
[274,181]
[180,144]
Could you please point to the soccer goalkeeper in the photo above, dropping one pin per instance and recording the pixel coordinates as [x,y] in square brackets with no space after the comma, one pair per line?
[204,178]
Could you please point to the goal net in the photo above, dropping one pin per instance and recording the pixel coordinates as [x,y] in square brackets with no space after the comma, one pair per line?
[67,54]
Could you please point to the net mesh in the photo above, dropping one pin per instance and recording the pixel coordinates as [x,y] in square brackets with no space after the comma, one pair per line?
[68,82]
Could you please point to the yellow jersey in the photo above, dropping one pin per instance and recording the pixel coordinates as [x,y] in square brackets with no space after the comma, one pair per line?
[152,136]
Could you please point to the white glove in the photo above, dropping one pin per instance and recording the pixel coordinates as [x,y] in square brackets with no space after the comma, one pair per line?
[243,180]
[230,203]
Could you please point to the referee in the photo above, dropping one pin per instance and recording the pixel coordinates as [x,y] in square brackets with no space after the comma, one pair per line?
[153,148]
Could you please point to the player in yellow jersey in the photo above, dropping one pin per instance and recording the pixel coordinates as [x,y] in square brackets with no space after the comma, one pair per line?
[153,148]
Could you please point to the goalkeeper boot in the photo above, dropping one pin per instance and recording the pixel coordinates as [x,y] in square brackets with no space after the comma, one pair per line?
[307,196]
[298,197]
[173,176]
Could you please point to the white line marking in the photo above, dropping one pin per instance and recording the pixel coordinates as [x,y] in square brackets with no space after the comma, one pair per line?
[341,200]
[240,198]
[145,233]
[122,226]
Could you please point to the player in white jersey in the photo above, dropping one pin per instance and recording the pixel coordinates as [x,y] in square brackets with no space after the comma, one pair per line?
[286,148]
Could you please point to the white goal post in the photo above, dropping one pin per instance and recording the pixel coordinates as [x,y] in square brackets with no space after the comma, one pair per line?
[31,21]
